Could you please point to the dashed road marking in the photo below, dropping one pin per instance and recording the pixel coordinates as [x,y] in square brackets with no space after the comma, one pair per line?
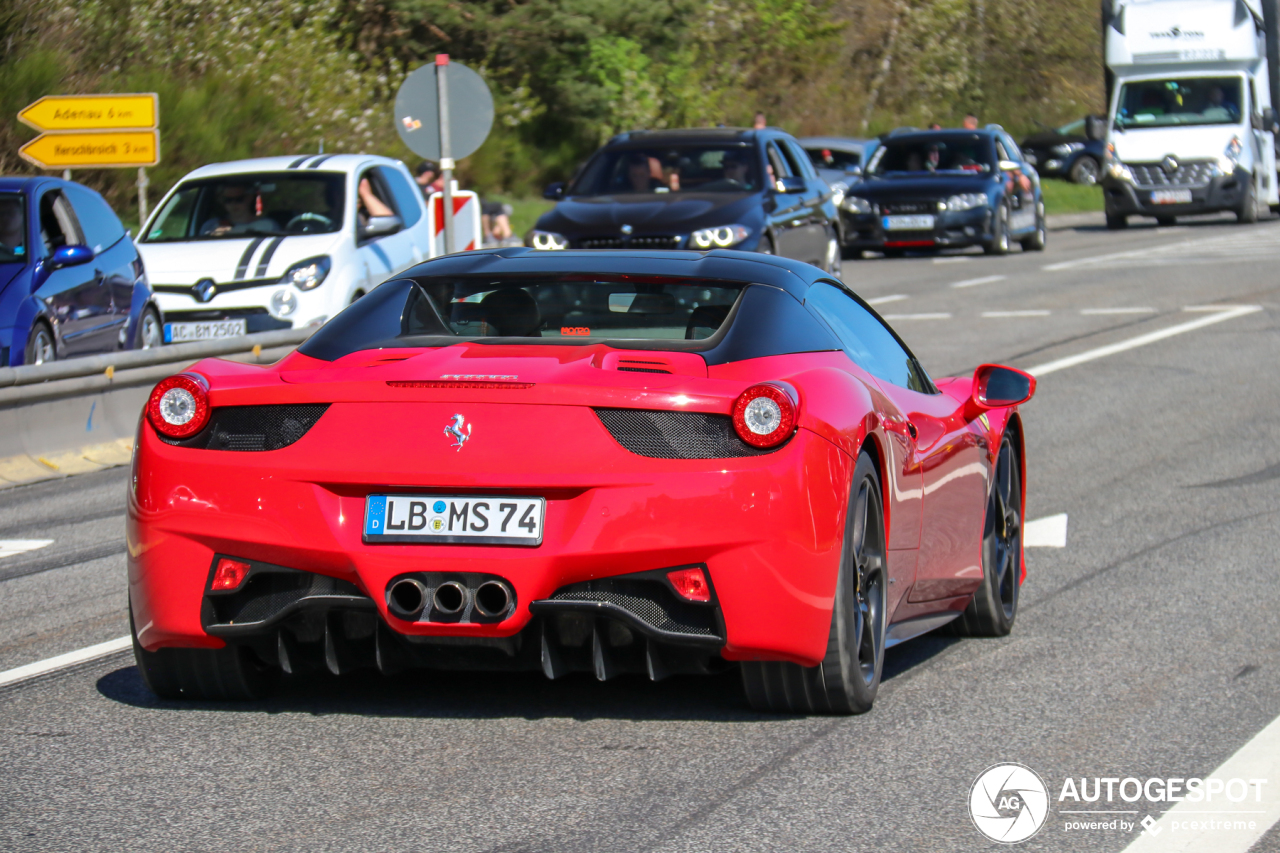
[1221,314]
[974,282]
[31,670]
[1047,532]
[881,300]
[952,259]
[937,316]
[9,547]
[1034,312]
[1105,311]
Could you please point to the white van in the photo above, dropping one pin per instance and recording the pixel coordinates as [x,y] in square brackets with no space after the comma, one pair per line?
[279,242]
[1192,129]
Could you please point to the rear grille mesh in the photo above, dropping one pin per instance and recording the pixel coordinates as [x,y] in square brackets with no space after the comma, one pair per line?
[254,428]
[676,435]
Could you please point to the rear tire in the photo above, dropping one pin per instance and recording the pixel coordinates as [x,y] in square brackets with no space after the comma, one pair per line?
[1117,221]
[1248,212]
[229,674]
[994,606]
[40,346]
[848,678]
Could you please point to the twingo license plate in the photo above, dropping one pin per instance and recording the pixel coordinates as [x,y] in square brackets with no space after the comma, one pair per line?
[1171,196]
[212,330]
[456,519]
[908,223]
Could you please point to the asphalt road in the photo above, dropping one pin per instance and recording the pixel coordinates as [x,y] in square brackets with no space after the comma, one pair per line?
[1149,646]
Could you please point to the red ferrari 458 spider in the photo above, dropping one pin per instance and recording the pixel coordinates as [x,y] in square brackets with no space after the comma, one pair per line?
[606,462]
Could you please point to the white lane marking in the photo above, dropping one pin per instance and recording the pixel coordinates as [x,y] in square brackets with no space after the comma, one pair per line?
[1257,759]
[1029,313]
[88,653]
[938,316]
[880,300]
[9,547]
[961,259]
[1117,311]
[1225,313]
[974,282]
[1047,532]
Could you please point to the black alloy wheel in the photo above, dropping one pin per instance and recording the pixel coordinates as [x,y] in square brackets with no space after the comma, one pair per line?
[847,679]
[994,606]
[999,244]
[40,348]
[1085,171]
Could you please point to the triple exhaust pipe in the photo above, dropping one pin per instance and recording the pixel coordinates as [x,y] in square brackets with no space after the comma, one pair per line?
[408,597]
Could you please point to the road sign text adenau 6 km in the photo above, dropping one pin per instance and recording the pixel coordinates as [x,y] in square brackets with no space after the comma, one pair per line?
[93,131]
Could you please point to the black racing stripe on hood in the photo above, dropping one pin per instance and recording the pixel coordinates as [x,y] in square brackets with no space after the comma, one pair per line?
[242,268]
[266,256]
[316,162]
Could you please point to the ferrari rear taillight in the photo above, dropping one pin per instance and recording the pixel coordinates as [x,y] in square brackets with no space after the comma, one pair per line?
[764,415]
[229,575]
[691,584]
[179,405]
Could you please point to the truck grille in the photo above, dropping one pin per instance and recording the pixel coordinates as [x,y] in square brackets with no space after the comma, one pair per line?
[1190,174]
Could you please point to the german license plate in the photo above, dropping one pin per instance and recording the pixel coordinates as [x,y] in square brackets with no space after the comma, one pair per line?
[181,332]
[456,519]
[908,223]
[1171,196]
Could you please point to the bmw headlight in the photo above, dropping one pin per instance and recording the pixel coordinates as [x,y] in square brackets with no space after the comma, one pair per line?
[307,275]
[547,241]
[719,238]
[964,201]
[857,204]
[1066,148]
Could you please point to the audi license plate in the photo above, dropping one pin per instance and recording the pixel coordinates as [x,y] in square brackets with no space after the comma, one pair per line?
[908,223]
[179,332]
[1171,196]
[445,519]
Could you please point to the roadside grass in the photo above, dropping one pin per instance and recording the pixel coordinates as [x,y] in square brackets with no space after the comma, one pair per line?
[524,211]
[1066,197]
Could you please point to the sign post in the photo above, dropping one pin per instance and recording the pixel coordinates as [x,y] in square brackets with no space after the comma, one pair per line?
[444,112]
[97,132]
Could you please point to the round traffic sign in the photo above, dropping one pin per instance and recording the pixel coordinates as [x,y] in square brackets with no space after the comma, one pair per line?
[418,111]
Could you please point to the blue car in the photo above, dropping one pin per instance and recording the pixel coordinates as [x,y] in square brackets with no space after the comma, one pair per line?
[71,281]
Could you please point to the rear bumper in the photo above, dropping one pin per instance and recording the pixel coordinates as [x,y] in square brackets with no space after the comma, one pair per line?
[768,532]
[1225,192]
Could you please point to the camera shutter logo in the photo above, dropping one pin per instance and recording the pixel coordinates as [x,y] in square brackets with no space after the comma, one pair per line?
[1008,803]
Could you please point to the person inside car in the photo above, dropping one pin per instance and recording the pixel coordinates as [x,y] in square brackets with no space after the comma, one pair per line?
[640,174]
[12,240]
[370,204]
[241,208]
[1219,108]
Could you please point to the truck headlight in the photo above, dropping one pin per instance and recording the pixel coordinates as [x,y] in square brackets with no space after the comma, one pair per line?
[964,201]
[719,238]
[856,204]
[1230,156]
[547,241]
[307,275]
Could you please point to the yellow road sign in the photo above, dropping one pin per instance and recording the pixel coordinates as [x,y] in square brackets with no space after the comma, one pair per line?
[93,149]
[92,112]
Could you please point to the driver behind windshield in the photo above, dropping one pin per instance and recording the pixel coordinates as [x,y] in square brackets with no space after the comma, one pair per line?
[242,213]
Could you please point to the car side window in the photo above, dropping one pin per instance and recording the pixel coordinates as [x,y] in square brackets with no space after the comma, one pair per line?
[866,339]
[408,201]
[1001,153]
[777,162]
[102,229]
[373,197]
[1012,147]
[58,225]
[799,161]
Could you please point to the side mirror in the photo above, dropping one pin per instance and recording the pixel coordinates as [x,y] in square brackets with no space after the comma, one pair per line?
[1095,128]
[996,386]
[554,191]
[1010,165]
[380,226]
[70,256]
[855,170]
[1268,119]
[791,184]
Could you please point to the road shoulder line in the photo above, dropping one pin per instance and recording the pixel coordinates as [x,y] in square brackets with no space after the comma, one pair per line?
[53,664]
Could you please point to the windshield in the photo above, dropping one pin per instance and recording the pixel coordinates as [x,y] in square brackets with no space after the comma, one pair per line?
[261,204]
[433,311]
[831,158]
[670,169]
[1181,101]
[961,153]
[13,228]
